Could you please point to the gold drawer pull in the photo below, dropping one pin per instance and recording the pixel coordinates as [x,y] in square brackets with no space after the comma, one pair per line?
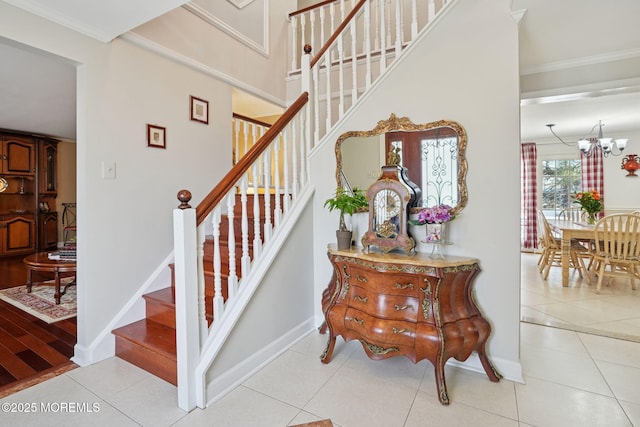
[362,299]
[399,331]
[403,307]
[360,278]
[355,319]
[401,286]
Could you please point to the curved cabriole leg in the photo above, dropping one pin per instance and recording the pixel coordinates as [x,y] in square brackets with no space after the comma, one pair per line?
[441,383]
[491,371]
[325,357]
[323,328]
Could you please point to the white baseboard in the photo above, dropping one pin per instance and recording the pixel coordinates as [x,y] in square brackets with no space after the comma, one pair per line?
[225,383]
[509,370]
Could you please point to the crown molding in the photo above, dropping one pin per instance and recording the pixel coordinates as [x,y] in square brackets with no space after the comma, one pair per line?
[206,16]
[580,62]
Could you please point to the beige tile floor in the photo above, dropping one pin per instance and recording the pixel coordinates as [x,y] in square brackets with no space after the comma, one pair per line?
[615,312]
[572,379]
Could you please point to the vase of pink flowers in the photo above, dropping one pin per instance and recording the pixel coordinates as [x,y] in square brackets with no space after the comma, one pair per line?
[435,220]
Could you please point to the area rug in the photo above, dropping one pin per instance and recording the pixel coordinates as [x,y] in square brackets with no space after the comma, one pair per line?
[40,302]
[321,423]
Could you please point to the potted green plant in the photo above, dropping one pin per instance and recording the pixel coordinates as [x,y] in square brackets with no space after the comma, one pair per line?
[347,202]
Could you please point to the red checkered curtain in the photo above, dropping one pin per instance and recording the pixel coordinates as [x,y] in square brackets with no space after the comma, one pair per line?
[593,172]
[529,189]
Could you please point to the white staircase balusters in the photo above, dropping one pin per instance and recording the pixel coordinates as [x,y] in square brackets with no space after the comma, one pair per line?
[367,44]
[295,48]
[353,28]
[414,19]
[399,24]
[246,259]
[218,301]
[257,241]
[202,310]
[381,37]
[286,188]
[277,210]
[232,280]
[266,157]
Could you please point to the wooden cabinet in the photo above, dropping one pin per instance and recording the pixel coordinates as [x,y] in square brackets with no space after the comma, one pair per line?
[409,305]
[18,156]
[17,234]
[47,167]
[29,169]
[48,231]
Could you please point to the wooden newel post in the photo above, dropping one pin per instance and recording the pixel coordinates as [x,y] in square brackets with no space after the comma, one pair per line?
[186,300]
[185,197]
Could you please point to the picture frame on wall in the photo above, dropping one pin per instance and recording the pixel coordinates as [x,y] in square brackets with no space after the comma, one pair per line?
[199,110]
[156,136]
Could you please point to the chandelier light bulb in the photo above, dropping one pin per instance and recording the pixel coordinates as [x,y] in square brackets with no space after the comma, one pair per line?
[584,145]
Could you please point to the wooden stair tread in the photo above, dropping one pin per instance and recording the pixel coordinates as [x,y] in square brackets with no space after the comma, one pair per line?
[165,296]
[151,335]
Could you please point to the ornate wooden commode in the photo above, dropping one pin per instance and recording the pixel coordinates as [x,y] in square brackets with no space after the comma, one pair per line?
[415,306]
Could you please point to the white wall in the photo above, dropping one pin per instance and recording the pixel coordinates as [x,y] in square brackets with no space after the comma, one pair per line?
[465,70]
[264,330]
[183,32]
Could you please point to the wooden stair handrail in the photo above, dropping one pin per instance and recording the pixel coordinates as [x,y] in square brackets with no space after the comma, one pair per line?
[226,184]
[337,32]
[314,6]
[251,120]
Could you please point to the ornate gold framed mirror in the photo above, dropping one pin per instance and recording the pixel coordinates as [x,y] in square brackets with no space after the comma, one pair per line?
[433,153]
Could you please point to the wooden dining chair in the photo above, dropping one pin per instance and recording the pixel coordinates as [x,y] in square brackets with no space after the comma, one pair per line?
[617,252]
[551,255]
[576,214]
[573,214]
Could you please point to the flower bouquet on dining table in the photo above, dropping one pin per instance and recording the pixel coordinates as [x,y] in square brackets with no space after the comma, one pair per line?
[590,202]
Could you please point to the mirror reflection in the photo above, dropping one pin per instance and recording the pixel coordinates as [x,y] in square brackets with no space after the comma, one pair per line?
[433,153]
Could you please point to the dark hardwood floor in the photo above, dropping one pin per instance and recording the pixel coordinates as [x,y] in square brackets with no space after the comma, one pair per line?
[30,349]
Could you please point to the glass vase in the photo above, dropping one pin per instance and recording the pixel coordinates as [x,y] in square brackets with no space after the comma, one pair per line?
[592,217]
[436,235]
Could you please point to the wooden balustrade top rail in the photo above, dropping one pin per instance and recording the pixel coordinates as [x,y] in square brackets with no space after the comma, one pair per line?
[314,6]
[230,179]
[337,32]
[251,120]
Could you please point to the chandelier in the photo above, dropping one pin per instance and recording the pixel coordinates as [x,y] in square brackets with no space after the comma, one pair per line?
[588,145]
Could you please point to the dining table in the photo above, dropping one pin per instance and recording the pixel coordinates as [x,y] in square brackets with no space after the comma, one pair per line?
[569,229]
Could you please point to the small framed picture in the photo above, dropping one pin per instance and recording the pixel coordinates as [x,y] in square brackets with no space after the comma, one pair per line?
[199,110]
[156,136]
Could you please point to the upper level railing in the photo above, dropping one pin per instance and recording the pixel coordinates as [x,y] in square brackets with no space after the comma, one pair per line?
[389,24]
[357,53]
[247,132]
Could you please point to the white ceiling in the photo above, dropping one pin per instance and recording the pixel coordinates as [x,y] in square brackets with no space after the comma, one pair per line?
[98,19]
[574,37]
[37,90]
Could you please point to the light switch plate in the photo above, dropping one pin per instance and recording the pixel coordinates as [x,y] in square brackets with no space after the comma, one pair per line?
[108,170]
